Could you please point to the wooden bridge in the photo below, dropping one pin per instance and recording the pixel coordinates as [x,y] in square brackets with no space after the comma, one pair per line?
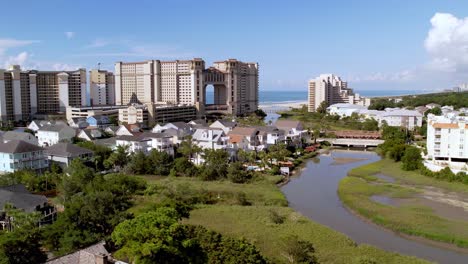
[352,142]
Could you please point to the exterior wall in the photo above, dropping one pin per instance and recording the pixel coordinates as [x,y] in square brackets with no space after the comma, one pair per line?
[63,91]
[3,111]
[87,111]
[447,141]
[184,82]
[10,162]
[49,138]
[331,89]
[133,115]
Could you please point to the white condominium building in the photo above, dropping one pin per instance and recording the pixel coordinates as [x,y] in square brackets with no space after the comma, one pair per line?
[184,82]
[25,93]
[447,138]
[331,89]
[102,90]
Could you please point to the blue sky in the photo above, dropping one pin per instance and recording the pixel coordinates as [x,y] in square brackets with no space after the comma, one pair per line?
[399,44]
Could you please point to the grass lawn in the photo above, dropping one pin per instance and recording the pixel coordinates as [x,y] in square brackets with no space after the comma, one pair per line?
[254,222]
[408,216]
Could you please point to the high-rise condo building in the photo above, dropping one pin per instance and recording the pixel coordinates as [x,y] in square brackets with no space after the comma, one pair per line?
[235,84]
[25,93]
[331,89]
[101,85]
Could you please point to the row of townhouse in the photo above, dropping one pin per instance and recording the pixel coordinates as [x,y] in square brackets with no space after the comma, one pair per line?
[221,134]
[409,119]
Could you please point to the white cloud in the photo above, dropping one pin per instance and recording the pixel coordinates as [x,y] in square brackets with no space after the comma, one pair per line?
[402,76]
[19,59]
[70,34]
[63,67]
[98,43]
[447,43]
[8,43]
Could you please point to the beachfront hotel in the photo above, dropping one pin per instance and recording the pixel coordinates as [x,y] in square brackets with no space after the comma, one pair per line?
[184,82]
[331,89]
[26,93]
[101,86]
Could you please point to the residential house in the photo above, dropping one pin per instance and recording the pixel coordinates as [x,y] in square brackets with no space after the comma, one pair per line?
[432,105]
[65,153]
[111,130]
[128,130]
[409,119]
[134,143]
[34,125]
[19,155]
[210,138]
[245,138]
[13,135]
[20,198]
[95,254]
[225,125]
[99,121]
[49,135]
[179,126]
[89,134]
[293,130]
[78,123]
[270,135]
[197,123]
[145,142]
[343,109]
[421,109]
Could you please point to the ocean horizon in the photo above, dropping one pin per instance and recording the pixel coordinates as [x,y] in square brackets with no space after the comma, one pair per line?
[267,97]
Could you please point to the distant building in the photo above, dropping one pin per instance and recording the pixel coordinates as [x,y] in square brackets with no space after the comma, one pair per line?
[409,119]
[331,89]
[447,141]
[20,155]
[102,89]
[110,111]
[184,82]
[134,114]
[26,93]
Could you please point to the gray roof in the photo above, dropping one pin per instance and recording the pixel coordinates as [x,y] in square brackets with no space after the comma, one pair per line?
[180,125]
[107,142]
[84,256]
[287,124]
[18,146]
[227,123]
[55,128]
[199,122]
[11,135]
[20,199]
[66,150]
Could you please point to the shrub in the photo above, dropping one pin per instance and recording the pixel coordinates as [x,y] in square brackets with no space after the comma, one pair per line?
[276,218]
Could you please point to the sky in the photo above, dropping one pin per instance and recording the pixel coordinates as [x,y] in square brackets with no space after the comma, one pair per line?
[393,44]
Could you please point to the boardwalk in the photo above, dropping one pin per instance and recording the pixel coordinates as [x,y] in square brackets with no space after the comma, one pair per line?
[352,142]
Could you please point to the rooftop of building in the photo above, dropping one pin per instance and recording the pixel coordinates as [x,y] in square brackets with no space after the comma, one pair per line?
[18,196]
[18,146]
[68,150]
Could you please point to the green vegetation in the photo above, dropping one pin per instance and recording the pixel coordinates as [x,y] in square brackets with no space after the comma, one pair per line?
[258,212]
[457,100]
[408,215]
[322,121]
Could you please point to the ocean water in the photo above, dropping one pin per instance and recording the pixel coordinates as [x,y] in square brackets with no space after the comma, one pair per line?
[297,96]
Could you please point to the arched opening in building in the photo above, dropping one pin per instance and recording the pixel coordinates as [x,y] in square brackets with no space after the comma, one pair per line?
[209,94]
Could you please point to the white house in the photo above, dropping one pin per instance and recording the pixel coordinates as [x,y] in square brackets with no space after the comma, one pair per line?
[65,153]
[13,135]
[49,135]
[293,129]
[409,119]
[225,125]
[270,135]
[210,138]
[343,109]
[19,155]
[34,125]
[128,130]
[145,142]
[447,141]
[89,134]
[245,138]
